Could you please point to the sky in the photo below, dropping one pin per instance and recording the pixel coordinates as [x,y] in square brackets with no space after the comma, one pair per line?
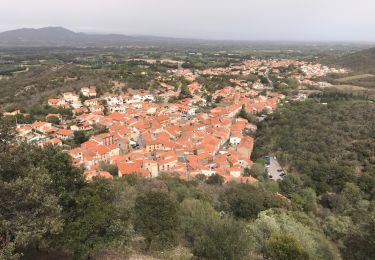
[269,20]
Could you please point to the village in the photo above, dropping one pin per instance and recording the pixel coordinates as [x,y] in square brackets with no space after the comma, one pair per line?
[175,129]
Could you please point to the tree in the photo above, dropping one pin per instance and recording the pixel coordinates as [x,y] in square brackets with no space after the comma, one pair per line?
[215,179]
[222,239]
[306,199]
[53,120]
[7,133]
[360,242]
[292,183]
[156,219]
[29,211]
[219,99]
[337,227]
[257,170]
[210,235]
[292,83]
[184,93]
[94,223]
[246,201]
[112,169]
[38,187]
[80,137]
[285,247]
[296,225]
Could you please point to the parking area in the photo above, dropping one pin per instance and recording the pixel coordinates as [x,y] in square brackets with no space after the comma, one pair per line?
[275,171]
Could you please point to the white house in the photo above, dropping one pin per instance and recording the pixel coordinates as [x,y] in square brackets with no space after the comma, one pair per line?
[235,139]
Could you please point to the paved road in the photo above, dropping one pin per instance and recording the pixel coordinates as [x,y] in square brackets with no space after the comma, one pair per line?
[272,169]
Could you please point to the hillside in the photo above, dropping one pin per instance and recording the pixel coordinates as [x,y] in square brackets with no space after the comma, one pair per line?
[361,61]
[327,145]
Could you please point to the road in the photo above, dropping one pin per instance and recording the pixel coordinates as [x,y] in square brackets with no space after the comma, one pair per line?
[272,169]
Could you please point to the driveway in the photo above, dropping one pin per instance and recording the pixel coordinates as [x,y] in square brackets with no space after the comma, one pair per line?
[272,169]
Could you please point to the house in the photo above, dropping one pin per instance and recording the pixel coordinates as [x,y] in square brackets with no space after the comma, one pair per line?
[151,166]
[24,130]
[167,164]
[91,102]
[88,92]
[64,134]
[235,139]
[13,113]
[132,167]
[41,126]
[89,175]
[235,171]
[114,100]
[52,142]
[194,88]
[84,126]
[245,147]
[96,108]
[56,103]
[70,97]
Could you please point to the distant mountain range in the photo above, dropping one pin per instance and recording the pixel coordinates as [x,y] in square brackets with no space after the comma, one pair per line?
[61,37]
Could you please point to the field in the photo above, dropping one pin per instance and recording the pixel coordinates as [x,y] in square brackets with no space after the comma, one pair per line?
[356,77]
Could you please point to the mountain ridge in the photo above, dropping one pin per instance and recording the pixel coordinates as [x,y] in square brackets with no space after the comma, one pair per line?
[61,37]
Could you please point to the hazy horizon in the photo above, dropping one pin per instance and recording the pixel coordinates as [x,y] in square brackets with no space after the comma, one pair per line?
[288,20]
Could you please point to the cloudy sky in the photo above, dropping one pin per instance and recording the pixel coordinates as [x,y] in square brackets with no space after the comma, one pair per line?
[302,20]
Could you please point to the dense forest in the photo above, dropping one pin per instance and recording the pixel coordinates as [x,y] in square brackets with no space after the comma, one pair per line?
[327,145]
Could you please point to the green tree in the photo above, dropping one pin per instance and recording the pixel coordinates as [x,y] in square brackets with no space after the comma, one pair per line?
[246,201]
[215,179]
[337,227]
[285,247]
[210,235]
[156,219]
[53,120]
[112,169]
[292,183]
[297,225]
[184,93]
[306,199]
[29,210]
[94,223]
[257,170]
[360,242]
[80,137]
